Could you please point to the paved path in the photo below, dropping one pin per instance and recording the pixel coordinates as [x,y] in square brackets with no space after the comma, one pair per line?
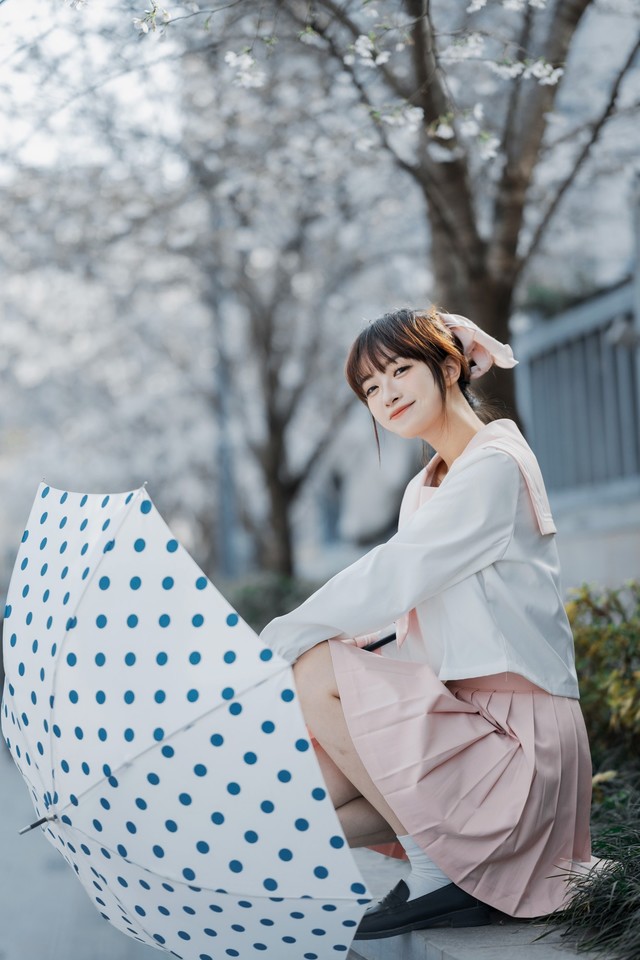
[44,911]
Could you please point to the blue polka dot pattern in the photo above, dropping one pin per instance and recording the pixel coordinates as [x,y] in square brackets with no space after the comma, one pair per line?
[169,740]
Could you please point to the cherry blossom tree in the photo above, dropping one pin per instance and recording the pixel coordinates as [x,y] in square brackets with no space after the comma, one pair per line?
[218,195]
[465,98]
[185,275]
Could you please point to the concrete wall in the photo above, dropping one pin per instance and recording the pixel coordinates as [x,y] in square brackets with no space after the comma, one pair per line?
[599,534]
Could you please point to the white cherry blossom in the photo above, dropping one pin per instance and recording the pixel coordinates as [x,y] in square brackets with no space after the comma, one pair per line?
[365,49]
[469,127]
[488,147]
[467,48]
[404,115]
[365,144]
[247,72]
[507,69]
[311,38]
[539,70]
[444,131]
[363,46]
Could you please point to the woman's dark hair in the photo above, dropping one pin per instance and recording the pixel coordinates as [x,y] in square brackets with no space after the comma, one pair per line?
[417,335]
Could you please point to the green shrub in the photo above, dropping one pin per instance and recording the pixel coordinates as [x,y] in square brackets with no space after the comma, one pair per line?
[606,631]
[603,915]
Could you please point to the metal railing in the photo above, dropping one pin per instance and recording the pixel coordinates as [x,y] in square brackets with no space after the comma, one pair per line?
[578,392]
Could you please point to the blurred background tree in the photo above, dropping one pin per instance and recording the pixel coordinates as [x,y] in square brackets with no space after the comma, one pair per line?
[462,97]
[178,265]
[199,207]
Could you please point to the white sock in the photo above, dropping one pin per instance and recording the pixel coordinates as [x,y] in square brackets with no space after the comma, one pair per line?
[425,876]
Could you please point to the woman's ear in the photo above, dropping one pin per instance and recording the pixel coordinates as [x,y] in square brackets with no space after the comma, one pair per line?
[451,369]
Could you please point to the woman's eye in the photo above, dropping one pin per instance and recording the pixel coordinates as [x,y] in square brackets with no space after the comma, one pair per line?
[400,369]
[369,391]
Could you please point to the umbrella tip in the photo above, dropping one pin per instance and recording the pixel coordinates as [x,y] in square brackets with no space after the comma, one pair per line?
[38,823]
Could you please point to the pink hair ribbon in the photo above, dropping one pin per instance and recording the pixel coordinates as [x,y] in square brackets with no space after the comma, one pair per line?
[478,345]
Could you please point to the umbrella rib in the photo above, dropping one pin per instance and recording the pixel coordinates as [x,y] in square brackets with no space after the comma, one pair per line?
[129,507]
[15,713]
[125,913]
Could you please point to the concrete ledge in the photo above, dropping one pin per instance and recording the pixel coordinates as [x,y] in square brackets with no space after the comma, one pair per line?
[504,939]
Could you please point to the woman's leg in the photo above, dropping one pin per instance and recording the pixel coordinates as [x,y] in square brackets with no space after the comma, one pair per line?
[411,904]
[361,823]
[321,707]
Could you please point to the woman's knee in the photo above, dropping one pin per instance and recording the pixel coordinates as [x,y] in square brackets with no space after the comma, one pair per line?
[314,675]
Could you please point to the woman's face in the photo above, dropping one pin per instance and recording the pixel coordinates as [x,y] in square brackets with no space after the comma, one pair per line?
[405,398]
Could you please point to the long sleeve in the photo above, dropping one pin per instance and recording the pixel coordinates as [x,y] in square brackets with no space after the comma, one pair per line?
[464,528]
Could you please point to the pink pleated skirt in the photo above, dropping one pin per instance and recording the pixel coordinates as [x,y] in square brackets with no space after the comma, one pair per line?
[491,777]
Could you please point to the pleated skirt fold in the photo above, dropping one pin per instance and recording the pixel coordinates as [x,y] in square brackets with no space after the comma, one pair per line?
[495,785]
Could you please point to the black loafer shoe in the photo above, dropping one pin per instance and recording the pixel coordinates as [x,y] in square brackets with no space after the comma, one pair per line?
[448,907]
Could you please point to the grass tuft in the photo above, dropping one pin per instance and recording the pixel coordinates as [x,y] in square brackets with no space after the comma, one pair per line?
[603,915]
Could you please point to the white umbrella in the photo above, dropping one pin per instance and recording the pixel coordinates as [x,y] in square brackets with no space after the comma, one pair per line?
[163,745]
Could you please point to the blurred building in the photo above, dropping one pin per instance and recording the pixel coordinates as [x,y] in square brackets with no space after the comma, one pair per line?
[578,386]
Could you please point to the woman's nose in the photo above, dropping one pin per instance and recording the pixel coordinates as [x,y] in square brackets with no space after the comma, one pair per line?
[389,393]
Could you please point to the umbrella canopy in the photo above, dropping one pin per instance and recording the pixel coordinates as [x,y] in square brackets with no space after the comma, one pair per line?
[164,744]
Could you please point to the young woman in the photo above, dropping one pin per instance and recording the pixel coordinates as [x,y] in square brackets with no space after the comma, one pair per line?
[464,739]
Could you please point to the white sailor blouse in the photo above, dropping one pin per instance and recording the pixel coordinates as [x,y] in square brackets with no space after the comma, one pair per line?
[471,579]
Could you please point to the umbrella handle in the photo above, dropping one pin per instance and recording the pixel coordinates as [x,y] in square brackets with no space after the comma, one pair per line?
[380,643]
[38,823]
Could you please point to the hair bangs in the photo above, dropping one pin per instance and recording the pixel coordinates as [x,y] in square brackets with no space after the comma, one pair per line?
[374,355]
[377,346]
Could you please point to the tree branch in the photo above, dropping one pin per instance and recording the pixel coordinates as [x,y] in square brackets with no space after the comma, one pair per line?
[447,188]
[516,89]
[337,418]
[364,96]
[94,87]
[572,134]
[427,170]
[337,12]
[430,93]
[524,146]
[582,157]
[453,205]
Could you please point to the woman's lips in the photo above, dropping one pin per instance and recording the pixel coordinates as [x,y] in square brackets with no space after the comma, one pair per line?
[399,412]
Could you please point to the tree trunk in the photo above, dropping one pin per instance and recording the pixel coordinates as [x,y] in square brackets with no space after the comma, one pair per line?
[276,541]
[491,310]
[480,298]
[277,545]
[451,289]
